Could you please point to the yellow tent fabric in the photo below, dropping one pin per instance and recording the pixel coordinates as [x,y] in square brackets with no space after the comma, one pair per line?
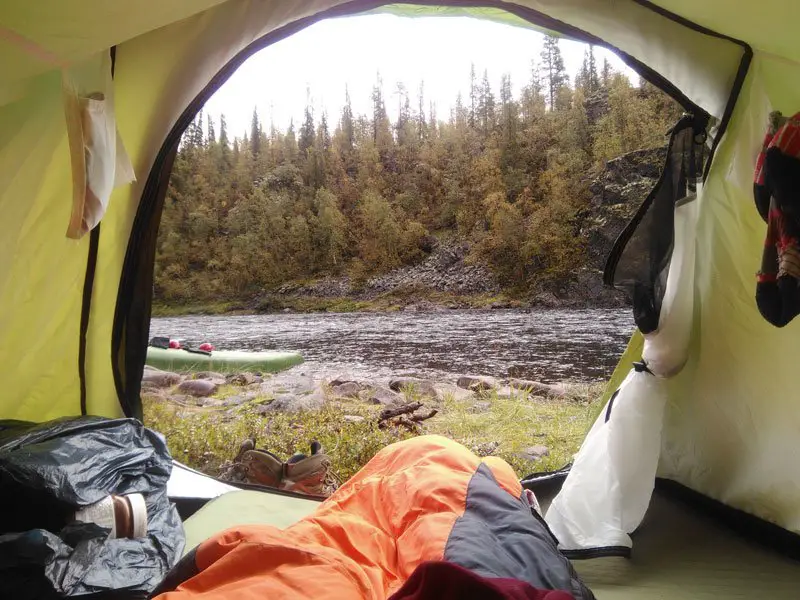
[734,413]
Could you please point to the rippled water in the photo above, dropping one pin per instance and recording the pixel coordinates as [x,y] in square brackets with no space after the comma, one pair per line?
[548,345]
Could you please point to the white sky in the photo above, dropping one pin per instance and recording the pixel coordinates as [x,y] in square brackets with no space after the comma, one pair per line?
[332,53]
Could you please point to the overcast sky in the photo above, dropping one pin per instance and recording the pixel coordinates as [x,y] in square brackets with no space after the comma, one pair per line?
[350,51]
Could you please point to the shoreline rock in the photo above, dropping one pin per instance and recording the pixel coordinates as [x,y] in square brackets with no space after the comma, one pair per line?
[296,389]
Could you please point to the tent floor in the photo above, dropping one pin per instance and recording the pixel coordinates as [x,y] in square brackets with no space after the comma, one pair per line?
[244,507]
[677,554]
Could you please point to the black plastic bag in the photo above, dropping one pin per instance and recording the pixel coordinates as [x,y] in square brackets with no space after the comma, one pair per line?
[49,470]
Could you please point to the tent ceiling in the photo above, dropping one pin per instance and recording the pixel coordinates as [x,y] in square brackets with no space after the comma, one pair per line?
[34,36]
[767,25]
[37,36]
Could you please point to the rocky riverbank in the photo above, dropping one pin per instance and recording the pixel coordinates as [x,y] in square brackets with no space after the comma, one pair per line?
[532,425]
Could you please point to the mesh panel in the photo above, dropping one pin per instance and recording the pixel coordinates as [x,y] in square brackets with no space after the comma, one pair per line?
[639,260]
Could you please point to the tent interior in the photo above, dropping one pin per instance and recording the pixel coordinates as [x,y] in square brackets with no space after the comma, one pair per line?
[74,311]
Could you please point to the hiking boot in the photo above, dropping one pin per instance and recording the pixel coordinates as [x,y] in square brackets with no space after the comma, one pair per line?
[310,474]
[262,467]
[234,470]
[253,465]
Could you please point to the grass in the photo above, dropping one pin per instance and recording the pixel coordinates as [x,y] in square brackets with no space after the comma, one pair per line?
[199,308]
[394,300]
[390,301]
[204,437]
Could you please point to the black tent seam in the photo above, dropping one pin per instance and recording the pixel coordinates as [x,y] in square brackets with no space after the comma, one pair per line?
[738,83]
[611,405]
[598,552]
[86,308]
[88,287]
[150,196]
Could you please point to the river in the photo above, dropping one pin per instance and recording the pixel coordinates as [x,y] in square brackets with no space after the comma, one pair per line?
[547,345]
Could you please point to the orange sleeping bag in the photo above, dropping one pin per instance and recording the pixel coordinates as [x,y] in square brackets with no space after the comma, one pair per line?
[424,499]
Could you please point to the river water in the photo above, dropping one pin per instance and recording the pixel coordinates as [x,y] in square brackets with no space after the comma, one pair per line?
[547,345]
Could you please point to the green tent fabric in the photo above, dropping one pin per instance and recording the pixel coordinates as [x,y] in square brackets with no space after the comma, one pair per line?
[73,339]
[244,507]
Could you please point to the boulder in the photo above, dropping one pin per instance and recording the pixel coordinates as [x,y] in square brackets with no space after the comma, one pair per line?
[340,379]
[481,407]
[215,378]
[153,392]
[209,375]
[162,379]
[556,390]
[181,399]
[385,396]
[476,384]
[238,399]
[349,389]
[486,448]
[244,379]
[537,452]
[200,388]
[294,403]
[453,391]
[148,386]
[419,387]
[353,419]
[508,393]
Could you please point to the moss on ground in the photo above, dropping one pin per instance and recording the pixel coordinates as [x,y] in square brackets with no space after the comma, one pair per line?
[204,437]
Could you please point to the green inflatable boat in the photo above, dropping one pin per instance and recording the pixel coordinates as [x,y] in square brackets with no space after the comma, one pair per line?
[221,361]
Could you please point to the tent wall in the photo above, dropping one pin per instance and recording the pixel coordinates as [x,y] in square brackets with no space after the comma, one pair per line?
[733,421]
[41,271]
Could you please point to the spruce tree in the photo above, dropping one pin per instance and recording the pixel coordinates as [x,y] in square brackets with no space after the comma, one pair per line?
[347,120]
[211,138]
[307,133]
[488,116]
[553,70]
[421,124]
[474,95]
[255,135]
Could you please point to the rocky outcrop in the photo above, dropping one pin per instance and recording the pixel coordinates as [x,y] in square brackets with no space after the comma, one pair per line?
[446,269]
[616,195]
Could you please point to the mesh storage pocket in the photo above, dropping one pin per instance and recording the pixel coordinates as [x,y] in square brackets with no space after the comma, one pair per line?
[639,261]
